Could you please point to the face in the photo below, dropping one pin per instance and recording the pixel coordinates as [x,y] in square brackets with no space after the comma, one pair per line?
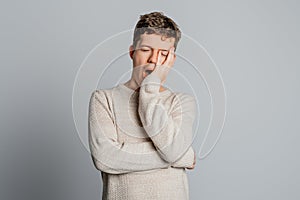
[145,55]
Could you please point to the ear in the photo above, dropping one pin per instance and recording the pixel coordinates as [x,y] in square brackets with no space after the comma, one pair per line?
[131,51]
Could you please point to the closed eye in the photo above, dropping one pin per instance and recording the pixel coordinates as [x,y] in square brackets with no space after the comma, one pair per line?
[164,53]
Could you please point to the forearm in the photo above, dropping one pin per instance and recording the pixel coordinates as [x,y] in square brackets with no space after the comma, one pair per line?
[123,158]
[170,131]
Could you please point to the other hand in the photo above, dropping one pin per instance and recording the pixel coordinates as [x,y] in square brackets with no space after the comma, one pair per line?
[193,166]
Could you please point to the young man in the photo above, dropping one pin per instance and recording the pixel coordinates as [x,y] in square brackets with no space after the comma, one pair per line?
[140,133]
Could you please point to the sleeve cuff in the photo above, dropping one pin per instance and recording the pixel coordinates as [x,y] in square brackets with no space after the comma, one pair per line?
[186,160]
[151,83]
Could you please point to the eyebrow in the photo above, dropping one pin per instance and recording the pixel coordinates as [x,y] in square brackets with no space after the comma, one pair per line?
[145,45]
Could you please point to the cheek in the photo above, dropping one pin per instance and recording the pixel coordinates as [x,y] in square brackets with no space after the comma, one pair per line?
[136,62]
[139,60]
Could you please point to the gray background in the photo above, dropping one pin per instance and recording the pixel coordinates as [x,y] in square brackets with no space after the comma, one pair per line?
[254,43]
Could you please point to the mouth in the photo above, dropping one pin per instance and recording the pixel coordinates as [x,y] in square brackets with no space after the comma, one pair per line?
[148,71]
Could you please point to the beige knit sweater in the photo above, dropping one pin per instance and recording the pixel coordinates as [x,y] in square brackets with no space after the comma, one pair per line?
[141,141]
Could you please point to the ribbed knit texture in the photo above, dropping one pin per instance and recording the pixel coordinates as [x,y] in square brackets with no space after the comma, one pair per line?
[141,141]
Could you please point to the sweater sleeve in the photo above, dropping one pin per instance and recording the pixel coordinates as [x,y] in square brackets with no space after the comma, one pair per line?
[107,153]
[171,130]
[186,160]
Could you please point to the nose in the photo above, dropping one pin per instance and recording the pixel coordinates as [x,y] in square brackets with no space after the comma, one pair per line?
[154,57]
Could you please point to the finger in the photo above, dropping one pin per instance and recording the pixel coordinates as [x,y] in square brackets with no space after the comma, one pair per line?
[159,59]
[192,167]
[170,57]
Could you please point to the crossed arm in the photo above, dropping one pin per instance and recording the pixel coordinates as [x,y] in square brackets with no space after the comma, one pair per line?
[116,158]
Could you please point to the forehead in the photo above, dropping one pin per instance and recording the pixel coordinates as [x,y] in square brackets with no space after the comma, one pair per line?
[156,41]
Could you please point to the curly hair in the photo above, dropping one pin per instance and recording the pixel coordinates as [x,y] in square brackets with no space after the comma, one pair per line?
[156,23]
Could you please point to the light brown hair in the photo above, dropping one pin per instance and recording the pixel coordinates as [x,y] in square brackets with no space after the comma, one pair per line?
[156,23]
